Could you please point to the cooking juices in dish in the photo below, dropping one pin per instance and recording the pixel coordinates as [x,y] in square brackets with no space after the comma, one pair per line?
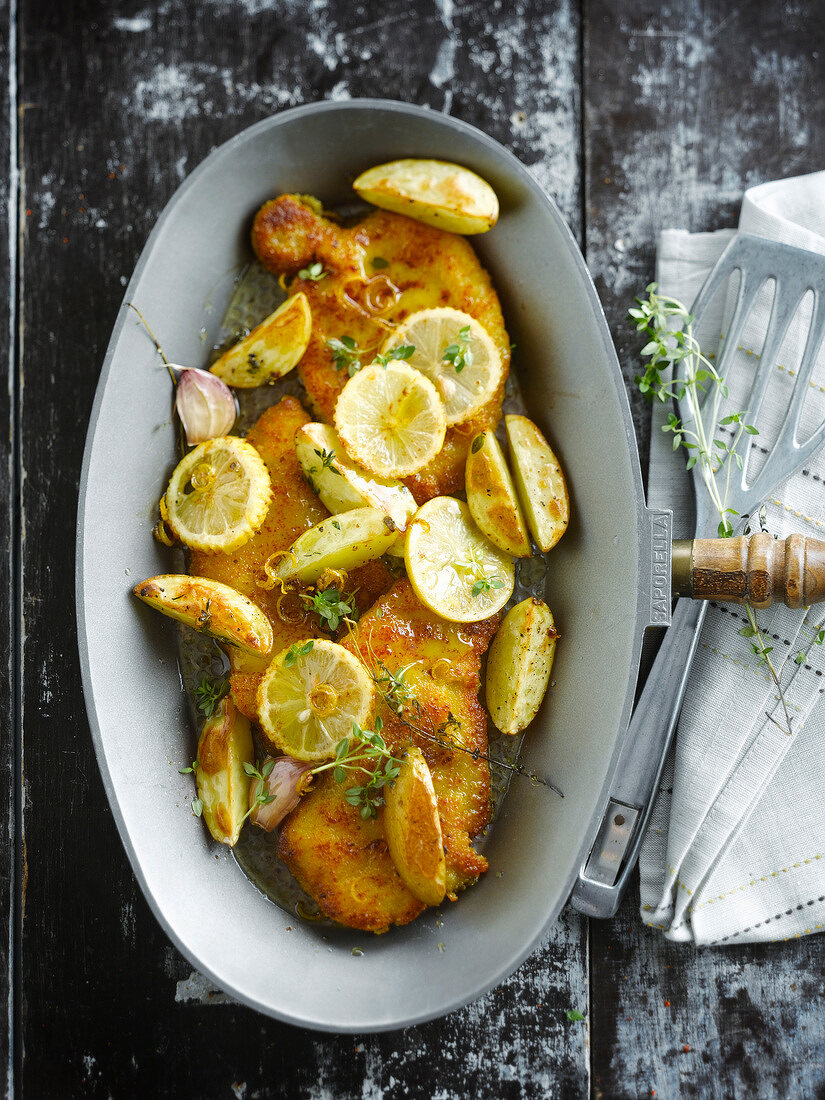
[334,560]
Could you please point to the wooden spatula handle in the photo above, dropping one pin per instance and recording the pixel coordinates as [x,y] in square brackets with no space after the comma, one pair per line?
[756,569]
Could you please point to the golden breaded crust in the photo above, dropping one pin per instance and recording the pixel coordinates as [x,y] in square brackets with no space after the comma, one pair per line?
[443,678]
[293,509]
[343,862]
[340,859]
[429,267]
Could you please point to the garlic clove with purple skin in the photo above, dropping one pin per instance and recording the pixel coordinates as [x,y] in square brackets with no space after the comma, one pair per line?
[285,784]
[205,404]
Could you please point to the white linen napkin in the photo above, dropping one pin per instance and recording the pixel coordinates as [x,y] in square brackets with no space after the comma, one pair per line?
[735,850]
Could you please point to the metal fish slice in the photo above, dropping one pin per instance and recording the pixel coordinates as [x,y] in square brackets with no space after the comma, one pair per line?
[795,273]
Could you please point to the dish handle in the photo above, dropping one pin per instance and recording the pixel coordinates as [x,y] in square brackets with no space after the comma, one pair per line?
[603,879]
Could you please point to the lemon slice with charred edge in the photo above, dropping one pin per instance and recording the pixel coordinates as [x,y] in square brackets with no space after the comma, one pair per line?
[210,607]
[218,495]
[310,697]
[271,349]
[456,353]
[390,419]
[454,569]
[436,192]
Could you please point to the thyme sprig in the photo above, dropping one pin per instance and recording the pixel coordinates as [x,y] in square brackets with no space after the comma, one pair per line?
[210,692]
[354,754]
[297,650]
[398,696]
[262,796]
[459,354]
[314,272]
[346,355]
[816,638]
[394,689]
[403,351]
[327,460]
[484,584]
[330,605]
[668,325]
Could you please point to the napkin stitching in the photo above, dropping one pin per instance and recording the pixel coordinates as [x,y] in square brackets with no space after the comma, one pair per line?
[779,366]
[755,882]
[743,619]
[799,515]
[747,666]
[776,917]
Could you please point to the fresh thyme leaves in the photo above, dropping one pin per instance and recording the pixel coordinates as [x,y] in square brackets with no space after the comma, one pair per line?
[671,341]
[573,1014]
[816,639]
[296,651]
[315,272]
[394,690]
[759,648]
[459,353]
[196,803]
[397,695]
[205,617]
[360,748]
[253,363]
[403,351]
[762,518]
[667,324]
[262,795]
[484,584]
[346,355]
[209,693]
[330,605]
[378,262]
[327,459]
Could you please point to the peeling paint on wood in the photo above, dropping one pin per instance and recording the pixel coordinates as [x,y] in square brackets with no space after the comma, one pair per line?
[681,106]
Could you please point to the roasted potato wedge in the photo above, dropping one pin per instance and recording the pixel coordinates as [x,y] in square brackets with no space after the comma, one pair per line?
[519,664]
[539,481]
[210,607]
[435,192]
[491,497]
[344,542]
[342,485]
[271,349]
[224,747]
[413,830]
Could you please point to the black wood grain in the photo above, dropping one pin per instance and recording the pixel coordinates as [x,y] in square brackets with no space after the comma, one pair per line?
[9,560]
[121,102]
[687,105]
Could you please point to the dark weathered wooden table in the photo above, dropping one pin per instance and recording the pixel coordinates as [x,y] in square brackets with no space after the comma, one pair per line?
[634,115]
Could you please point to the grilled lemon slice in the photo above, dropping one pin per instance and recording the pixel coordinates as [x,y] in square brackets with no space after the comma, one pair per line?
[344,542]
[271,349]
[210,607]
[456,353]
[341,484]
[310,697]
[435,192]
[539,482]
[218,495]
[390,419]
[454,569]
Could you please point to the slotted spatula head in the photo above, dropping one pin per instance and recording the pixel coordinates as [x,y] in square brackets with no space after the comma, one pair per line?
[794,274]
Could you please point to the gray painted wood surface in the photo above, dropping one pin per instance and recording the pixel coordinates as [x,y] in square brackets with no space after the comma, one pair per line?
[633,117]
